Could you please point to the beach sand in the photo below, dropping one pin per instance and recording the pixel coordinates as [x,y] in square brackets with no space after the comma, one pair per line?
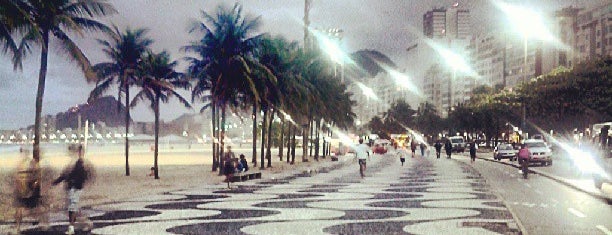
[180,167]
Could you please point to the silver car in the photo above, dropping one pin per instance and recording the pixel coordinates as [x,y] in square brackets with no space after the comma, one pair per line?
[504,150]
[540,152]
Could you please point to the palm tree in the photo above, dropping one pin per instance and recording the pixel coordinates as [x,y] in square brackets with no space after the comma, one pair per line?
[12,17]
[57,18]
[124,50]
[158,81]
[224,59]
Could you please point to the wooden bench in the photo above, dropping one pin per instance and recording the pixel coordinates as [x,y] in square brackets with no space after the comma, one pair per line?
[244,176]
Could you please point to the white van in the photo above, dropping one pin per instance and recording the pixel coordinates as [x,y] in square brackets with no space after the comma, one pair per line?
[458,143]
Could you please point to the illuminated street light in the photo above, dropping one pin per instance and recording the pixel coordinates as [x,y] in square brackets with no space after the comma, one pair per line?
[368,92]
[456,62]
[529,24]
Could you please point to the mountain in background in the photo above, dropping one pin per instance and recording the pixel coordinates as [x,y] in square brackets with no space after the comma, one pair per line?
[106,109]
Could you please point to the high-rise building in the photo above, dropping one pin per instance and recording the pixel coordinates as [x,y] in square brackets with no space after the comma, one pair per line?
[434,23]
[440,23]
[594,32]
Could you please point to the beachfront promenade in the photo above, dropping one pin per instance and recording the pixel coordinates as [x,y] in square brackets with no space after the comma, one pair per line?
[426,196]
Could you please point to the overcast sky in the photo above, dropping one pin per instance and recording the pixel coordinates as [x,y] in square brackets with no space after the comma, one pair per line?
[389,26]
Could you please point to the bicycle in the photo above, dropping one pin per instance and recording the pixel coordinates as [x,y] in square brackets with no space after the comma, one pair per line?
[525,168]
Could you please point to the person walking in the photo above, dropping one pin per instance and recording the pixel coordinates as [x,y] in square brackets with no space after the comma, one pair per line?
[75,178]
[423,147]
[438,147]
[401,153]
[449,148]
[413,146]
[473,151]
[27,192]
[361,153]
[229,168]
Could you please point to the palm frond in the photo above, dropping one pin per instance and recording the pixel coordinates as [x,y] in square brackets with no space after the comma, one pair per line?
[76,55]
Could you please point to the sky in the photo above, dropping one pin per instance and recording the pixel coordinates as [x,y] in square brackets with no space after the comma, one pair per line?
[389,26]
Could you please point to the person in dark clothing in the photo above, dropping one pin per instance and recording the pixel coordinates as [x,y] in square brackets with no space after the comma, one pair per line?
[243,162]
[423,147]
[473,151]
[449,148]
[438,147]
[74,179]
[603,136]
[413,146]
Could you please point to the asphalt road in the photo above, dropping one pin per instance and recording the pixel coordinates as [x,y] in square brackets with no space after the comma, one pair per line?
[544,206]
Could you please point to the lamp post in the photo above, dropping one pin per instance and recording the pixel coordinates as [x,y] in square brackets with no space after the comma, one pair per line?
[529,24]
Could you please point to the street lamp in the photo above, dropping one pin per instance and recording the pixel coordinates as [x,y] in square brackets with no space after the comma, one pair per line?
[456,62]
[529,24]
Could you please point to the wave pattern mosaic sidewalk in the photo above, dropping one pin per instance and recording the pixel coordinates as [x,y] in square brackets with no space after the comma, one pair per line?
[426,196]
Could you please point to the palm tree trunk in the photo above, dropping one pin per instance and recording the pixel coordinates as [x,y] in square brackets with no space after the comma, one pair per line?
[324,150]
[288,143]
[329,145]
[213,136]
[156,152]
[269,147]
[317,124]
[40,92]
[127,125]
[310,136]
[293,145]
[281,143]
[254,159]
[263,136]
[222,136]
[305,143]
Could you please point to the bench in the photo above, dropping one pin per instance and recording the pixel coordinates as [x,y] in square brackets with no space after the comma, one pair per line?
[244,176]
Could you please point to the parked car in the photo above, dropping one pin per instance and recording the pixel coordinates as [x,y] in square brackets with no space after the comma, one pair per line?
[458,143]
[380,149]
[503,151]
[540,152]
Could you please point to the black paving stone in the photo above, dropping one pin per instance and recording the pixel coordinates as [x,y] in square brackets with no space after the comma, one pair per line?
[177,205]
[484,195]
[296,195]
[495,204]
[409,184]
[398,204]
[327,185]
[117,215]
[320,190]
[492,214]
[240,214]
[370,214]
[203,197]
[416,189]
[274,182]
[225,228]
[498,227]
[368,228]
[285,204]
[395,195]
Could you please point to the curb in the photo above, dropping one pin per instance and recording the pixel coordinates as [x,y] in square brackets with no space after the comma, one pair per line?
[557,179]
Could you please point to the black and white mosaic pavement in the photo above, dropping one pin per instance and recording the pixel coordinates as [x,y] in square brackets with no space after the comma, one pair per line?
[426,196]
